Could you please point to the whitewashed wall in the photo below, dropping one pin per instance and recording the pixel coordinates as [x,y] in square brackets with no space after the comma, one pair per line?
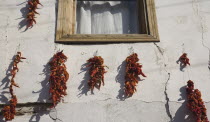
[183,27]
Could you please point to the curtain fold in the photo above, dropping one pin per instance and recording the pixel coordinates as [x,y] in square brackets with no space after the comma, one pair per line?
[107,17]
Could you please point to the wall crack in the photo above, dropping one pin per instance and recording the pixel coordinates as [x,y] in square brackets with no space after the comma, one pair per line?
[167,99]
[196,8]
[159,49]
[167,107]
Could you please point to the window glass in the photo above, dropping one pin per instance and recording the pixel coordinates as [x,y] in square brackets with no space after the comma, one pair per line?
[107,17]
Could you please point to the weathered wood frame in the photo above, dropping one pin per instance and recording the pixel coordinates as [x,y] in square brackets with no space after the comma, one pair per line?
[65,32]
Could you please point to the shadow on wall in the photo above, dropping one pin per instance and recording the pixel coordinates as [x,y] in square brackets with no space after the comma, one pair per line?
[183,114]
[44,96]
[83,87]
[44,91]
[24,12]
[5,84]
[120,78]
[39,111]
[2,118]
[56,17]
[181,66]
[3,98]
[36,109]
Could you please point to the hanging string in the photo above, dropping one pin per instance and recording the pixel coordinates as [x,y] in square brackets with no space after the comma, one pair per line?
[17,49]
[188,70]
[95,53]
[131,50]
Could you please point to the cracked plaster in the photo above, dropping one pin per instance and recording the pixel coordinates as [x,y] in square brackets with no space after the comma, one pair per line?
[183,27]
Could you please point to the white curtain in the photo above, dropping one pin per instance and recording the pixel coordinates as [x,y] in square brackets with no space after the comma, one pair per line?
[107,17]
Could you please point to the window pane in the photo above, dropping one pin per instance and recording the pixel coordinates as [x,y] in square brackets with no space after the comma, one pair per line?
[107,17]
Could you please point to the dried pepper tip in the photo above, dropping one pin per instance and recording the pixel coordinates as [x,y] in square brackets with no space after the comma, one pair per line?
[96,72]
[184,59]
[9,110]
[190,86]
[195,102]
[32,11]
[133,69]
[58,77]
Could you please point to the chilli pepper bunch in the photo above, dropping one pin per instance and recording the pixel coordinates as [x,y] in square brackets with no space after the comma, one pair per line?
[184,59]
[96,72]
[58,77]
[32,11]
[133,69]
[195,103]
[9,110]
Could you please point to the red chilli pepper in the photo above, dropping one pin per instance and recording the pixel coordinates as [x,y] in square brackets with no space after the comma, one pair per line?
[32,11]
[96,71]
[9,110]
[195,102]
[58,77]
[133,69]
[183,59]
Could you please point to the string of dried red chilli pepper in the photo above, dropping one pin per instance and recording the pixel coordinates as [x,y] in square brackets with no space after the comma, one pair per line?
[133,69]
[9,110]
[184,59]
[58,77]
[96,72]
[32,11]
[195,102]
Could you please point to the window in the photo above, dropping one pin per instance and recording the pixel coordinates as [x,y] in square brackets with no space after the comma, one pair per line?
[107,17]
[106,21]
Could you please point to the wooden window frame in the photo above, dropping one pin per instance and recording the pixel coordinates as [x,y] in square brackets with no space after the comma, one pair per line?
[66,20]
